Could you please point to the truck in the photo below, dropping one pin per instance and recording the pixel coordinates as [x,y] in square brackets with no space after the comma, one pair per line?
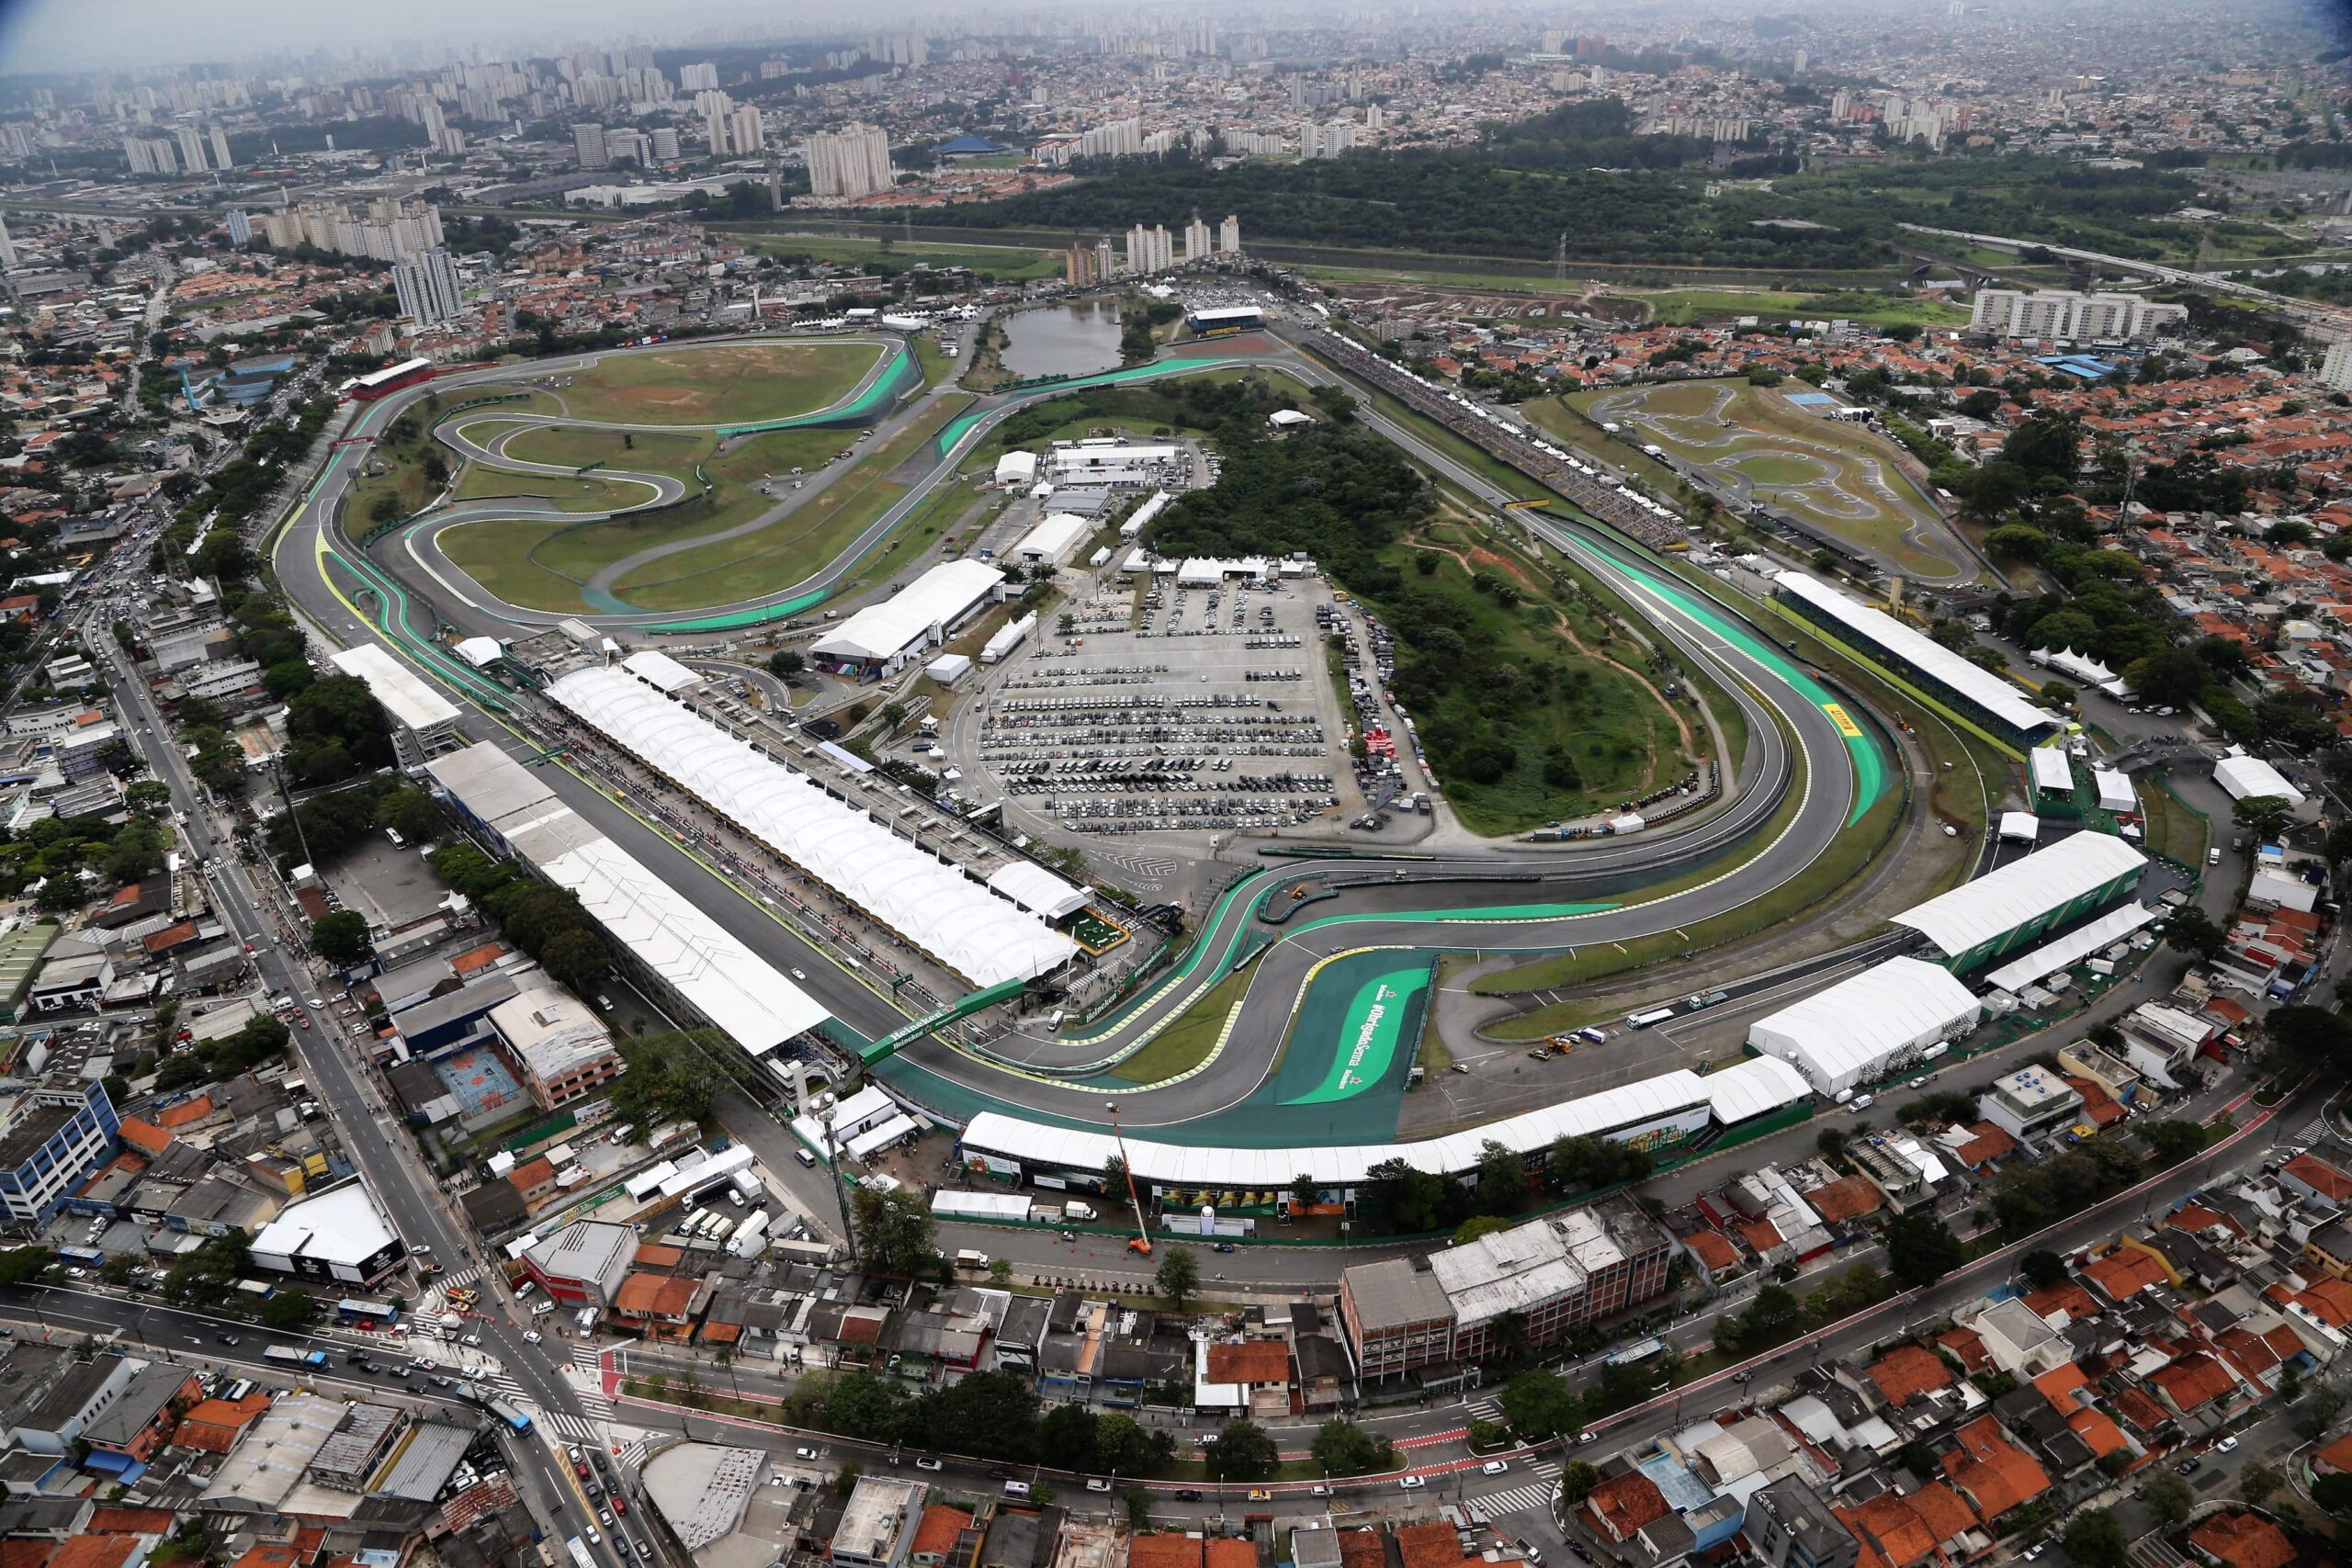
[752,1236]
[288,1356]
[748,1183]
[968,1258]
[1078,1212]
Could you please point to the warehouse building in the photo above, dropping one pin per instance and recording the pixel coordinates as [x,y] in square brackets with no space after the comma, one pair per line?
[1051,540]
[339,1236]
[2026,900]
[883,639]
[1970,691]
[1868,1025]
[424,724]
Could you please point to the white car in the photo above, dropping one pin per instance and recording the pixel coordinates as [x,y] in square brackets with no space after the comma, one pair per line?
[531,1336]
[1412,1482]
[799,975]
[474,1340]
[2225,1445]
[1494,1467]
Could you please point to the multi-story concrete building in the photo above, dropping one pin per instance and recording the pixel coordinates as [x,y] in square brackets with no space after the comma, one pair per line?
[2063,315]
[588,145]
[851,162]
[559,1048]
[1789,1526]
[53,1134]
[1549,1276]
[427,287]
[2335,370]
[2029,1103]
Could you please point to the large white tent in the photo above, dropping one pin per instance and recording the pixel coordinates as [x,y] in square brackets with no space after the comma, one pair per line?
[927,900]
[2247,777]
[2021,892]
[1859,1028]
[888,634]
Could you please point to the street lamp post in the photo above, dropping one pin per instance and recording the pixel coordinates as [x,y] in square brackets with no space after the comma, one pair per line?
[841,1194]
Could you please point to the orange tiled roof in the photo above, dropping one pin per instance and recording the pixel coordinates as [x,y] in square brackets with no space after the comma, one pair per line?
[655,1295]
[27,1554]
[2243,1541]
[1907,1371]
[1887,1525]
[95,1552]
[941,1525]
[185,1111]
[2124,1272]
[2336,1456]
[2060,1384]
[119,1520]
[1995,1473]
[1254,1362]
[654,1254]
[2319,1176]
[145,1135]
[2099,1429]
[1167,1549]
[269,1554]
[2065,1297]
[1433,1545]
[1944,1511]
[1987,1143]
[1848,1198]
[1969,1346]
[2192,1380]
[1712,1247]
[1625,1503]
[2143,1412]
[1223,1552]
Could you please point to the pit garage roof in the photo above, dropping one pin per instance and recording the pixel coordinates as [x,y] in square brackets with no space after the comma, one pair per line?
[400,689]
[1037,890]
[660,671]
[929,901]
[738,991]
[1979,686]
[1680,1095]
[940,595]
[1976,912]
[1841,1036]
[2245,777]
[2071,949]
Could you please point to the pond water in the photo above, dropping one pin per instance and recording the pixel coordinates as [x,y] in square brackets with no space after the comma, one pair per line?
[1078,338]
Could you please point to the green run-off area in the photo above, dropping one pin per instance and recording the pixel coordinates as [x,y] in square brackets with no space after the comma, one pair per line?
[1368,1044]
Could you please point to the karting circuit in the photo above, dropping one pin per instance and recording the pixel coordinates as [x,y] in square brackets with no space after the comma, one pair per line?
[582,626]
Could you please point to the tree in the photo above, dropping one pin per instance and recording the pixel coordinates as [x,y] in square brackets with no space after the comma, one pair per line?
[2043,1268]
[1342,1448]
[23,1265]
[1502,1178]
[2168,1500]
[1178,1277]
[2264,816]
[784,663]
[1066,1438]
[1478,1226]
[2094,1539]
[578,960]
[1138,1503]
[1921,1250]
[896,1232]
[1540,1406]
[2258,1482]
[1242,1450]
[2333,1493]
[2172,1141]
[342,937]
[2193,931]
[1123,1446]
[288,1310]
[1576,1480]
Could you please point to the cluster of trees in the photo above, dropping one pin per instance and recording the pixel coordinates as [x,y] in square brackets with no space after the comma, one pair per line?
[2027,1197]
[1397,1199]
[334,821]
[71,859]
[261,1040]
[544,920]
[1778,1316]
[669,1078]
[233,494]
[987,1414]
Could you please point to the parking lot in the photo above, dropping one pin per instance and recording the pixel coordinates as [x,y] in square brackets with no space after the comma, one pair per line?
[1168,708]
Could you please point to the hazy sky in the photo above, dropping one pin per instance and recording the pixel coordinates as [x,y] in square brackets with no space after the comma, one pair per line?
[81,35]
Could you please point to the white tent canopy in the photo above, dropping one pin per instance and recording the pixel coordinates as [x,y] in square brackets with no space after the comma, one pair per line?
[2051,772]
[938,598]
[2020,825]
[926,900]
[1680,1098]
[1849,1034]
[2114,792]
[660,671]
[1976,912]
[2247,777]
[2071,949]
[1037,890]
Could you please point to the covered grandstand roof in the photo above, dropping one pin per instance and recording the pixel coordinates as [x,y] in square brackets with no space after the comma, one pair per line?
[660,671]
[403,692]
[1679,1095]
[940,595]
[1037,890]
[1988,690]
[1976,912]
[1845,1035]
[928,900]
[2072,948]
[740,992]
[2247,777]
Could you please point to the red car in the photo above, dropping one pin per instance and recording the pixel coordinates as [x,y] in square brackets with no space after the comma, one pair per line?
[620,1504]
[581,1466]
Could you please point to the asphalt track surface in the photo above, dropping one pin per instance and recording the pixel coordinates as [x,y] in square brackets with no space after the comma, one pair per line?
[1508,898]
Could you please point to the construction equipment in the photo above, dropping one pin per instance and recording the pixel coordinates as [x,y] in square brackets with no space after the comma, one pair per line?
[1140,1243]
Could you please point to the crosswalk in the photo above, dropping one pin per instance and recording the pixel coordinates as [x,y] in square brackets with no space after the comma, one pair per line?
[2316,1132]
[1532,1496]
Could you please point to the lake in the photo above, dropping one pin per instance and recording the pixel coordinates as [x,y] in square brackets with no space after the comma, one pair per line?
[1074,339]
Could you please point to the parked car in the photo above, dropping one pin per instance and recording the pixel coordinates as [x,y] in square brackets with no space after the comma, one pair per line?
[1412,1482]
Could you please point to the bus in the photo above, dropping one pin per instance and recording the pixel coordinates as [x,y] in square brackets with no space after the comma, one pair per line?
[580,1557]
[1638,1352]
[514,1418]
[358,1314]
[287,1356]
[1644,1020]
